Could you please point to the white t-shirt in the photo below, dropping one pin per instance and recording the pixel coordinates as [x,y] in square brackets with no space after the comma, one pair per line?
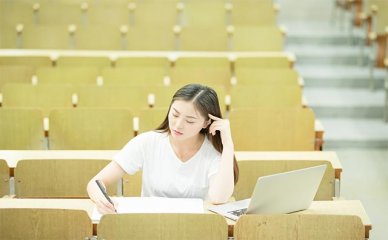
[164,174]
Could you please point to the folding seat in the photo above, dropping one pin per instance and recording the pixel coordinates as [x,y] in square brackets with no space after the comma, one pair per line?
[89,129]
[36,37]
[253,38]
[35,223]
[206,70]
[134,76]
[251,170]
[98,37]
[254,13]
[264,62]
[15,74]
[83,61]
[59,13]
[68,75]
[8,36]
[198,38]
[143,61]
[112,14]
[4,175]
[251,96]
[16,12]
[150,38]
[162,226]
[21,129]
[299,226]
[273,129]
[151,118]
[156,13]
[31,61]
[202,13]
[132,185]
[56,178]
[44,97]
[163,95]
[113,97]
[259,77]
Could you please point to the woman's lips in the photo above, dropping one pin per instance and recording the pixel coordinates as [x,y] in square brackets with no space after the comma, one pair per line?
[177,132]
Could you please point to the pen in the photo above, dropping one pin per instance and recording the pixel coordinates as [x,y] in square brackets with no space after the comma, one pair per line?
[102,188]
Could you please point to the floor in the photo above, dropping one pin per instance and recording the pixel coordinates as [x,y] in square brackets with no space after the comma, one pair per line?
[337,89]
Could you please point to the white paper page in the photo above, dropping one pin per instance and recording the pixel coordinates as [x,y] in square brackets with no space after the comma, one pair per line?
[154,205]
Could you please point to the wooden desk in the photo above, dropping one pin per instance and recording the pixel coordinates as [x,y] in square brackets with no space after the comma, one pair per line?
[13,156]
[345,207]
[298,156]
[291,155]
[340,207]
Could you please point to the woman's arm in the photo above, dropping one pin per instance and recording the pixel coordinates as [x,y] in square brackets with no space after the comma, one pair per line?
[221,184]
[108,175]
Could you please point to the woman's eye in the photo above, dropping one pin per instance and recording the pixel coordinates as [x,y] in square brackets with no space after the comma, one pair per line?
[174,115]
[189,122]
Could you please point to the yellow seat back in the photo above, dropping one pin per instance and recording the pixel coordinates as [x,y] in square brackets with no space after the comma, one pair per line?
[273,129]
[250,170]
[162,226]
[44,224]
[56,178]
[299,227]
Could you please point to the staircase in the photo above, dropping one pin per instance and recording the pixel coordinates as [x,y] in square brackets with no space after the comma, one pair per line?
[337,85]
[337,88]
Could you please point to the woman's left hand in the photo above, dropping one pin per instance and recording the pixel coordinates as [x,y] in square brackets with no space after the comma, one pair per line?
[223,126]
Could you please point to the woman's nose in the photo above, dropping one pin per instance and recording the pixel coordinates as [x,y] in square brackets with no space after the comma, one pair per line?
[179,123]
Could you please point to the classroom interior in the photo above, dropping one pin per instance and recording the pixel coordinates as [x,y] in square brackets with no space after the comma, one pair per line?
[303,83]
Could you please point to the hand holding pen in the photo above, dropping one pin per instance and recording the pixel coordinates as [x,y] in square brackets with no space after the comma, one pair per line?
[106,205]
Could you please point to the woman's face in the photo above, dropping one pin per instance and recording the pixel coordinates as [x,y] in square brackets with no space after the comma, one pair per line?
[184,120]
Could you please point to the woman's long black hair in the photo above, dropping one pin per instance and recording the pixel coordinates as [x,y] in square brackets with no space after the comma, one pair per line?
[206,102]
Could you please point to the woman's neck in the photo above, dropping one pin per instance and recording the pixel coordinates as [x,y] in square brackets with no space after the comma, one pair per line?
[185,149]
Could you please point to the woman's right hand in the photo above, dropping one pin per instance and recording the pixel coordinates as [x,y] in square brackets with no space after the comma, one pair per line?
[102,204]
[110,174]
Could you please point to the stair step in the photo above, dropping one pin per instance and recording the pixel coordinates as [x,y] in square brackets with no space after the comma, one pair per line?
[368,133]
[327,54]
[322,34]
[340,76]
[345,103]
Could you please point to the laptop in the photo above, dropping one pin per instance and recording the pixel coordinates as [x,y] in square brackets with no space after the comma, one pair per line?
[277,194]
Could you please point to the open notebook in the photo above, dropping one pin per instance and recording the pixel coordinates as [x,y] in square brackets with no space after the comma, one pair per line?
[154,205]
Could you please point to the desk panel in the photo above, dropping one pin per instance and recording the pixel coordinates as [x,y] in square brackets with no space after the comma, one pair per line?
[340,207]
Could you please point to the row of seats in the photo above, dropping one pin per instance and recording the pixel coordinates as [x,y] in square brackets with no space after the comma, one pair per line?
[144,71]
[67,178]
[149,76]
[96,128]
[115,37]
[372,17]
[193,13]
[162,60]
[47,97]
[76,224]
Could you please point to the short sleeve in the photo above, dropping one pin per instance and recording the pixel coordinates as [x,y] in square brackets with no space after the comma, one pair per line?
[131,156]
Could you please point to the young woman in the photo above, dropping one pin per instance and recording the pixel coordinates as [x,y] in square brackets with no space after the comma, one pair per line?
[190,155]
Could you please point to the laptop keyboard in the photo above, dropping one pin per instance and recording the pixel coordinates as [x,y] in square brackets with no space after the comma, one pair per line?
[238,212]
